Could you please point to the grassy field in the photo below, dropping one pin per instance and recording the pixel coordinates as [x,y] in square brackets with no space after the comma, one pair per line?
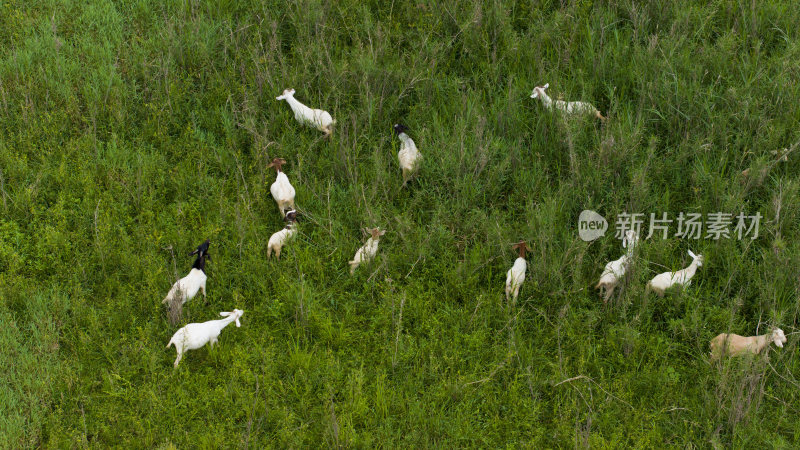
[132,131]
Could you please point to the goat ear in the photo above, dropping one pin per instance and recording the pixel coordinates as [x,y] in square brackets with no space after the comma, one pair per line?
[291,91]
[778,341]
[546,85]
[225,314]
[238,324]
[692,255]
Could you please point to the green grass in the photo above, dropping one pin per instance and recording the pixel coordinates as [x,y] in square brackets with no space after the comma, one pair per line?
[127,128]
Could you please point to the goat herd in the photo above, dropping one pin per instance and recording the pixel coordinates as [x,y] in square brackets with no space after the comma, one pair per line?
[196,335]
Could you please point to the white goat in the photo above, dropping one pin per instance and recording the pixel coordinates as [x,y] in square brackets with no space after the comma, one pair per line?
[282,191]
[408,156]
[666,280]
[187,287]
[316,118]
[196,335]
[615,270]
[516,274]
[570,108]
[368,250]
[279,238]
[733,344]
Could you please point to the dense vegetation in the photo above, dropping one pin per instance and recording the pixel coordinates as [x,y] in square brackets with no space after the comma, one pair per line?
[132,131]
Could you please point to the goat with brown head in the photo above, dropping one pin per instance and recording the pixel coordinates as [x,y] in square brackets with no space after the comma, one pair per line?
[282,191]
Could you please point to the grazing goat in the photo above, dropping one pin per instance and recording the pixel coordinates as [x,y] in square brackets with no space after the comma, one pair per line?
[408,156]
[570,108]
[516,274]
[368,250]
[733,344]
[316,118]
[196,335]
[187,287]
[282,191]
[279,238]
[615,270]
[663,281]
[202,249]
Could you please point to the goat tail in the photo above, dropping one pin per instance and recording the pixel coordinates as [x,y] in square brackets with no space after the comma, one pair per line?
[170,343]
[600,116]
[648,288]
[171,294]
[353,266]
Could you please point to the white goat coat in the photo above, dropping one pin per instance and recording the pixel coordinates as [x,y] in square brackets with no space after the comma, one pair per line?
[571,108]
[316,118]
[408,156]
[615,271]
[734,345]
[663,281]
[187,287]
[196,335]
[279,238]
[365,253]
[283,192]
[515,277]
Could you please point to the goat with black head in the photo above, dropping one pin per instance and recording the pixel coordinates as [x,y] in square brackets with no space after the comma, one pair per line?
[187,287]
[202,250]
[280,238]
